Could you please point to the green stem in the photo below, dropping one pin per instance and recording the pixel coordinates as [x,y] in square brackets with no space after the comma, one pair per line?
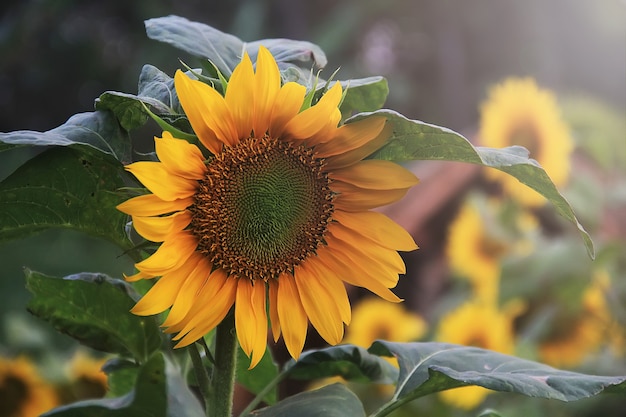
[202,377]
[223,379]
[259,397]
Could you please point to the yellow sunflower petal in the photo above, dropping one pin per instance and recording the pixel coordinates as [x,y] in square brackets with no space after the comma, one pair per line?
[352,198]
[310,121]
[267,85]
[160,297]
[386,274]
[318,303]
[355,273]
[180,157]
[293,317]
[352,136]
[156,178]
[240,96]
[251,319]
[151,205]
[286,106]
[386,256]
[170,255]
[212,313]
[335,286]
[157,229]
[355,155]
[207,111]
[378,228]
[273,301]
[375,174]
[195,273]
[139,275]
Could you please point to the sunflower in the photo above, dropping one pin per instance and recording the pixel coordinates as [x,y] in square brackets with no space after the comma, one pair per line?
[518,112]
[23,393]
[479,324]
[275,206]
[88,380]
[374,319]
[582,333]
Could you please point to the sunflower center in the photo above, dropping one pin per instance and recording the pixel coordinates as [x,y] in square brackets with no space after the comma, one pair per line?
[526,135]
[262,208]
[13,393]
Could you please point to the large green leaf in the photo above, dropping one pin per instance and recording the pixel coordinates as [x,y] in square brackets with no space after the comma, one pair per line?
[98,130]
[426,368]
[330,401]
[225,50]
[94,309]
[415,140]
[352,363]
[148,399]
[64,187]
[156,90]
[259,377]
[363,95]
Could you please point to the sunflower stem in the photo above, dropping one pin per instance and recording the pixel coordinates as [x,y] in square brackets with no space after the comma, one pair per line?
[223,380]
[202,377]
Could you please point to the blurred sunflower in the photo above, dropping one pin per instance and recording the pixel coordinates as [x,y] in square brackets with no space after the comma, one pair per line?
[579,334]
[373,318]
[88,380]
[279,208]
[482,325]
[474,251]
[23,392]
[518,112]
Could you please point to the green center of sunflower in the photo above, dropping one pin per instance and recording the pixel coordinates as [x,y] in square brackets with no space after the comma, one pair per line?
[262,208]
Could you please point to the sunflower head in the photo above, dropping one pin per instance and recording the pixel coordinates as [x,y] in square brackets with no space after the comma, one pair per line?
[275,205]
[518,112]
[23,392]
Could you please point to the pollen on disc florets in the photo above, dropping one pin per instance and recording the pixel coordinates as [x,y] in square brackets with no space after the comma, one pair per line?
[262,208]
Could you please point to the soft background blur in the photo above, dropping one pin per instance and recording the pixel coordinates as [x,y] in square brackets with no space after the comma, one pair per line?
[440,57]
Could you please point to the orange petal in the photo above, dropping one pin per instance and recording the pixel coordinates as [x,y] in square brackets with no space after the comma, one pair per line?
[165,185]
[378,228]
[286,106]
[319,305]
[157,229]
[375,174]
[352,198]
[359,259]
[292,315]
[273,300]
[151,205]
[160,297]
[251,319]
[355,274]
[195,272]
[207,111]
[139,275]
[335,286]
[267,84]
[180,157]
[355,155]
[352,136]
[240,96]
[310,121]
[383,255]
[170,255]
[211,313]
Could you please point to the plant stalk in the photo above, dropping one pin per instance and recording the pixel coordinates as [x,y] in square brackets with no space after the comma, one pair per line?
[220,402]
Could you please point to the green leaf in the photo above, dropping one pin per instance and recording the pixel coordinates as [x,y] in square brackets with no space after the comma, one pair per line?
[259,377]
[94,309]
[415,140]
[225,50]
[121,376]
[98,130]
[489,413]
[156,89]
[426,368]
[330,401]
[352,363]
[64,187]
[363,95]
